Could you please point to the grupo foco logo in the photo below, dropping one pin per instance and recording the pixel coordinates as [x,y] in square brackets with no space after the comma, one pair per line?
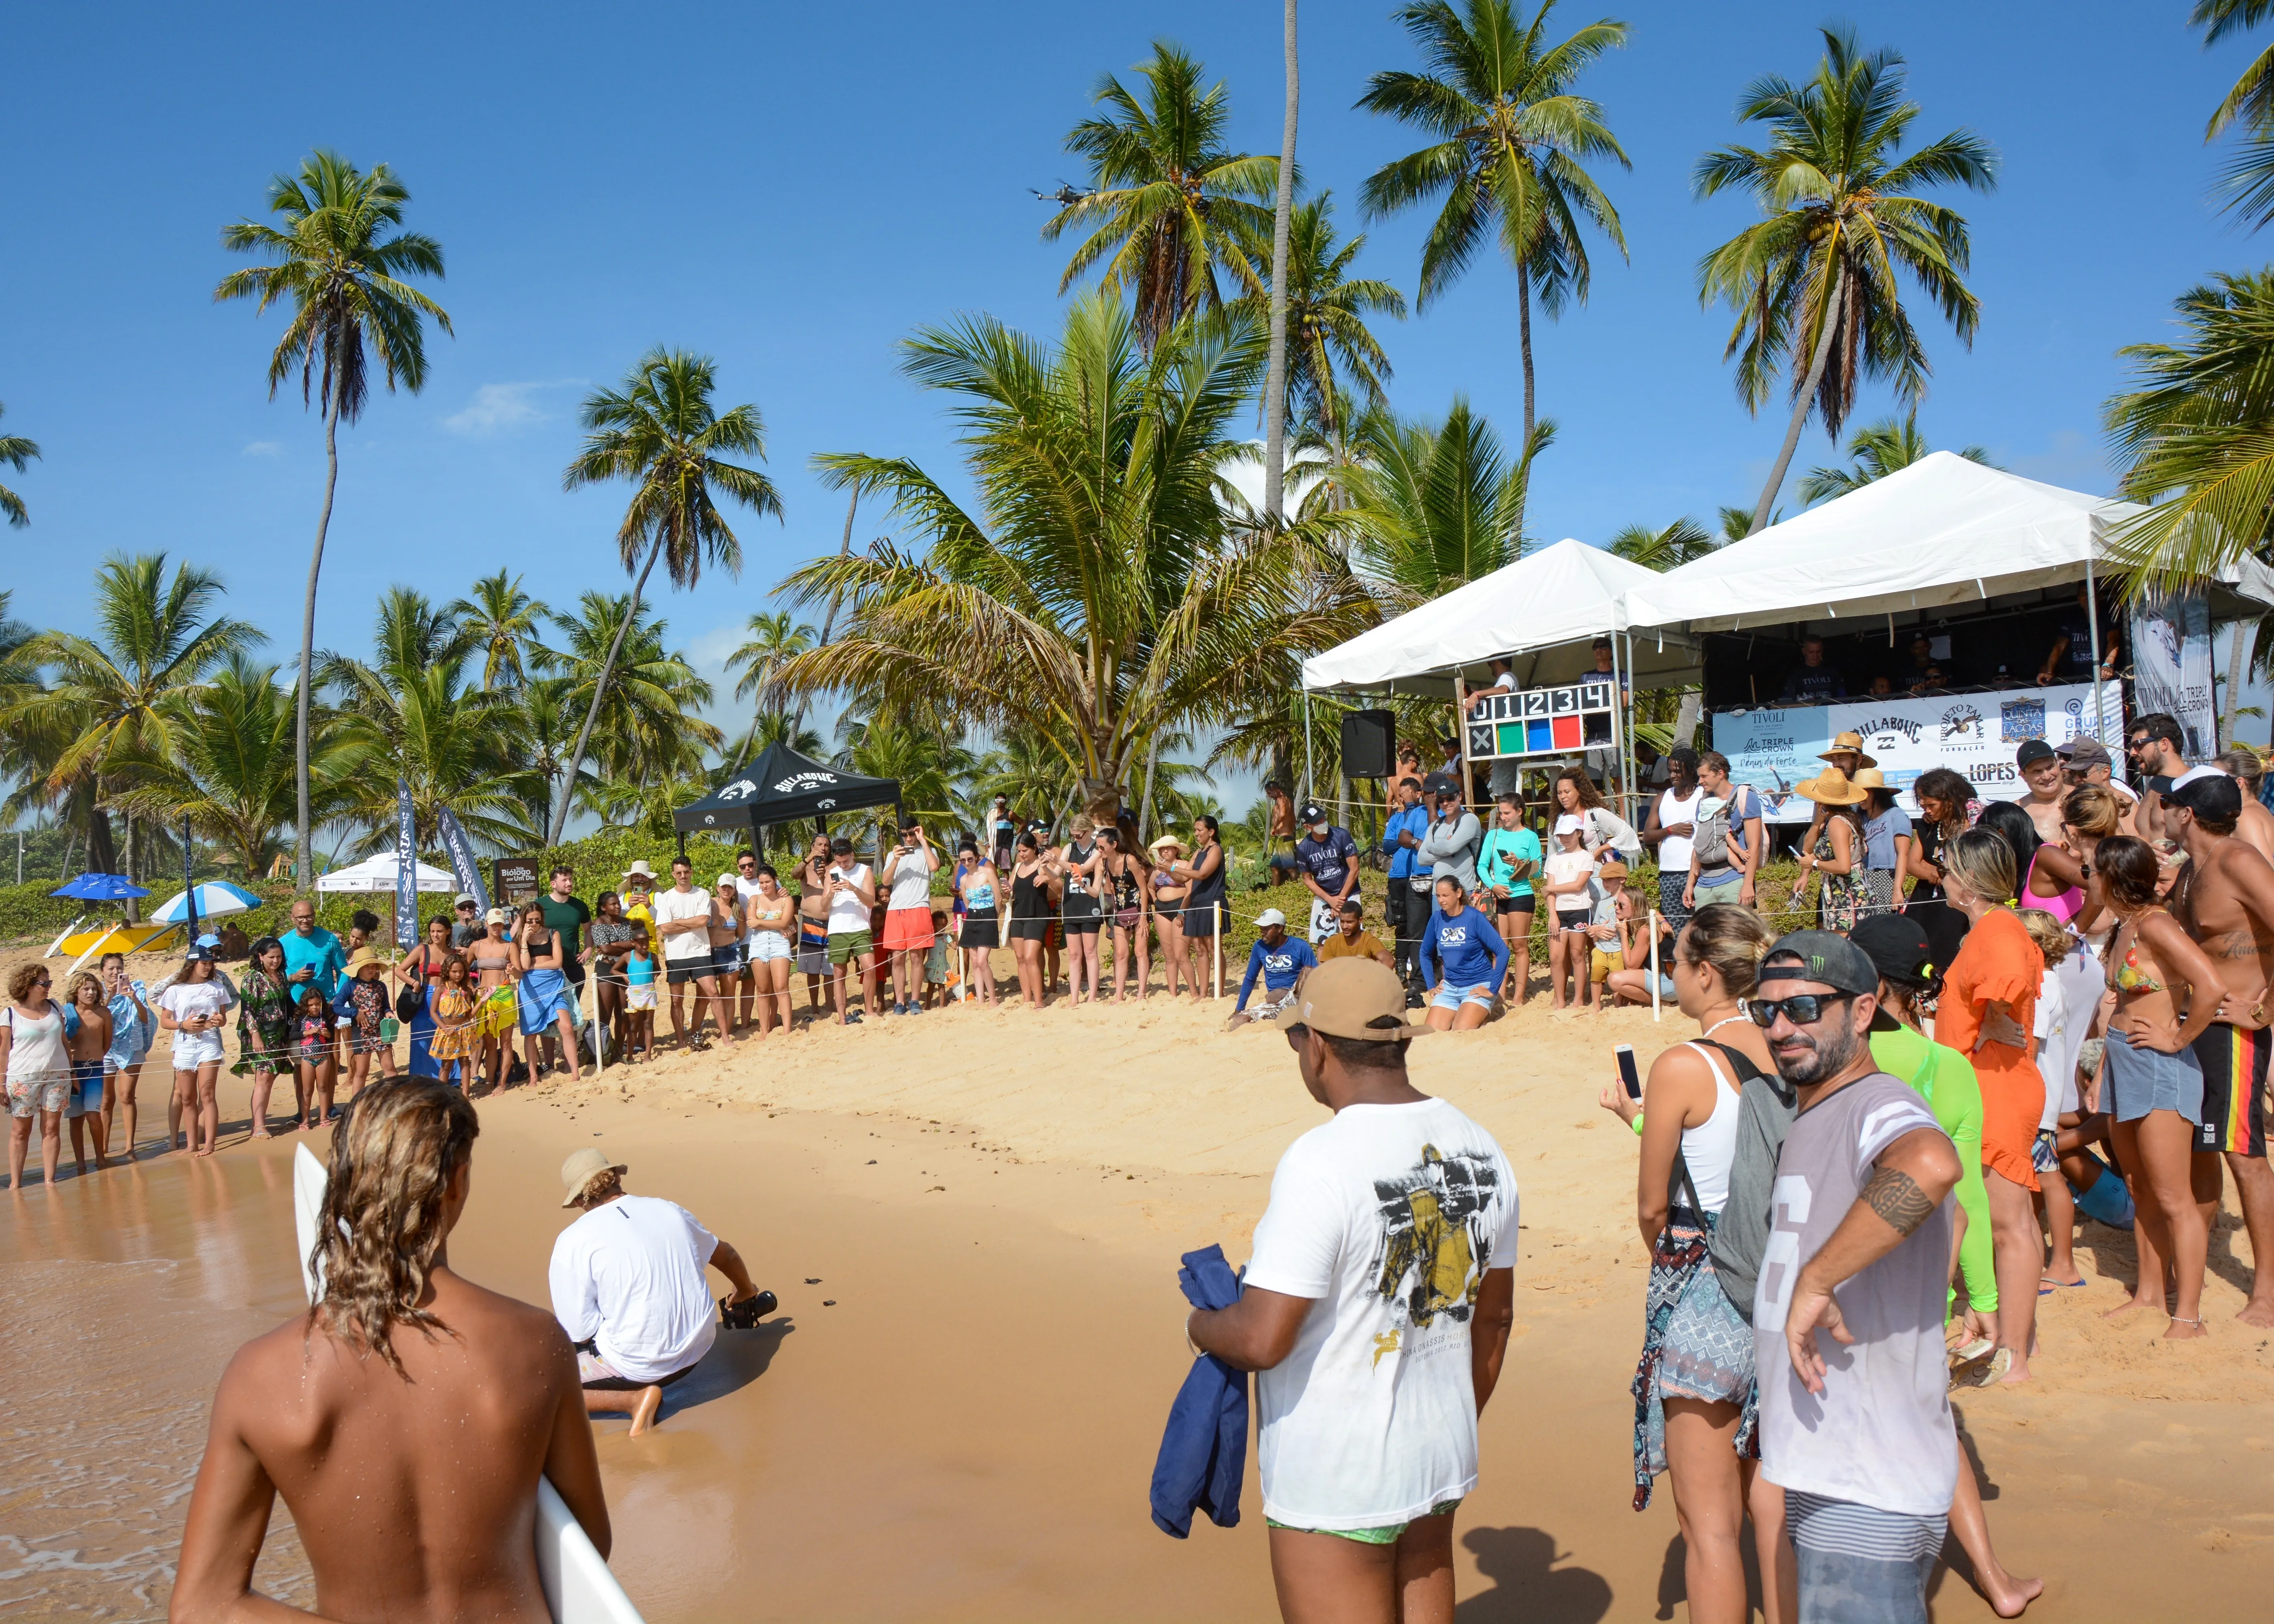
[803,780]
[1961,722]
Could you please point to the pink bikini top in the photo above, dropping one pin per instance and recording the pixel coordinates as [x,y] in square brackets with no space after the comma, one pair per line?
[2063,906]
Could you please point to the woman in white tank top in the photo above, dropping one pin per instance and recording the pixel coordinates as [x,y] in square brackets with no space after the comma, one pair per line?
[1694,1386]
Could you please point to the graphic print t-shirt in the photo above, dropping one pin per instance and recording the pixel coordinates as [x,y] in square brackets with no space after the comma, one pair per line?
[1328,858]
[1881,1432]
[1387,1218]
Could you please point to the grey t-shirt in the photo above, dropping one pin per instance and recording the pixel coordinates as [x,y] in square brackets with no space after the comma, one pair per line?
[1451,846]
[1881,1432]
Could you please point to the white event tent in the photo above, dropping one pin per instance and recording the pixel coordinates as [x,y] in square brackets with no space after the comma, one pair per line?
[1550,605]
[375,874]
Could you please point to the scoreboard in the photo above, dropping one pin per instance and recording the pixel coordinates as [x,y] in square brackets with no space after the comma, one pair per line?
[1544,721]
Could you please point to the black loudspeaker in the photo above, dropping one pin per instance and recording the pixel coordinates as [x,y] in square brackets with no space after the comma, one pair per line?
[1369,744]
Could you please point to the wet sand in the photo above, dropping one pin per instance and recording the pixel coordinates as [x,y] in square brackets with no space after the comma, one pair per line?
[957,1420]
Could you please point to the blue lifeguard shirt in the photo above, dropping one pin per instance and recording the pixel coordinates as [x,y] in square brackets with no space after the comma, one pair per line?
[1463,950]
[1279,966]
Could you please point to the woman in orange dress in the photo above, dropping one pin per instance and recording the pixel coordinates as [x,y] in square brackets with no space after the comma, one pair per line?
[1989,1006]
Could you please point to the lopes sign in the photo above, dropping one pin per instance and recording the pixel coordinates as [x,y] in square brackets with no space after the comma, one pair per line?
[1542,721]
[1975,735]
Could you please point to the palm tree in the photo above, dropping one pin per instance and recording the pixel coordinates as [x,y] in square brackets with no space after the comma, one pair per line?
[1167,205]
[2250,179]
[928,763]
[1274,371]
[340,259]
[1737,522]
[1880,448]
[116,697]
[2195,435]
[232,771]
[1511,144]
[646,725]
[1679,542]
[503,621]
[16,452]
[661,432]
[1327,335]
[1103,591]
[773,638]
[1816,278]
[1434,508]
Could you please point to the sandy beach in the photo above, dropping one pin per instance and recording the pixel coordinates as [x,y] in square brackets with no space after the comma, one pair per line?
[972,1220]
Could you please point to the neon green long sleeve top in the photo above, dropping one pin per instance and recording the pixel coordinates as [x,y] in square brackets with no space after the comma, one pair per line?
[1945,1078]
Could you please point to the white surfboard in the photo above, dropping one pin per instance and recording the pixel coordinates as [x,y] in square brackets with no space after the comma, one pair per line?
[578,1587]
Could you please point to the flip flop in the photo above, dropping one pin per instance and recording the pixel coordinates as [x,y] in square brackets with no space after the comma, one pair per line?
[2047,1285]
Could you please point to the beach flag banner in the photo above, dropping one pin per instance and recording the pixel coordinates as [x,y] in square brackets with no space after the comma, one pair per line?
[2172,666]
[406,869]
[464,866]
[1544,721]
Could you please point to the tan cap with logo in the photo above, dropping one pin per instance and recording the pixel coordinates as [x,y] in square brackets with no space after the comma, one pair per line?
[1356,997]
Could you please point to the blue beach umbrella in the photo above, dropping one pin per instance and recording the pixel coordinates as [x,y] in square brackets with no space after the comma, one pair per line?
[100,888]
[214,900]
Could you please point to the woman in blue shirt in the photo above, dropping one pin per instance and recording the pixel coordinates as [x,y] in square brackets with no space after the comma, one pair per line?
[1505,864]
[1463,960]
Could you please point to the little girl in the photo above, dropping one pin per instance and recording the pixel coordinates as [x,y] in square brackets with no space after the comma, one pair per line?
[1568,881]
[365,1012]
[457,1040]
[86,1040]
[639,998]
[312,1050]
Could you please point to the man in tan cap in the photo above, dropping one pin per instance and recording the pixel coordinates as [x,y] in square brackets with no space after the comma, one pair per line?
[628,1288]
[1376,1306]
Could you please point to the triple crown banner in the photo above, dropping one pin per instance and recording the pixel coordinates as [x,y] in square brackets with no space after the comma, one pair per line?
[1543,721]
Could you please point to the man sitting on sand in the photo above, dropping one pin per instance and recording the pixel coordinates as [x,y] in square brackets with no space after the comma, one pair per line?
[627,1287]
[405,1418]
[1377,1306]
[1282,960]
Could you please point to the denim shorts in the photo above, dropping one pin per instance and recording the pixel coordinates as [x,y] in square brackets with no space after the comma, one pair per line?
[1449,996]
[2136,1080]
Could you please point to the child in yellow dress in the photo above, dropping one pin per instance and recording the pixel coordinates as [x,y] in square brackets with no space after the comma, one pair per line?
[457,1039]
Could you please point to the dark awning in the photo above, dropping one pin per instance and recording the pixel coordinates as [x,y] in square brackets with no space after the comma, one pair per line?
[783,786]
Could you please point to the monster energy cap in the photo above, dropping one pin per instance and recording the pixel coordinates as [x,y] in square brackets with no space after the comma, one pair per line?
[1820,955]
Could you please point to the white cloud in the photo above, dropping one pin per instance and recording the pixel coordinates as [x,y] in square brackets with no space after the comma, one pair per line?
[263,448]
[502,405]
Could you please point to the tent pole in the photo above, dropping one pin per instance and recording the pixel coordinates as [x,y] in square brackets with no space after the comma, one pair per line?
[1307,744]
[2092,619]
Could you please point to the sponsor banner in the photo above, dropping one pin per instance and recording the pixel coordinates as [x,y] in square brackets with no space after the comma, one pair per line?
[464,864]
[1975,735]
[2171,667]
[516,880]
[406,869]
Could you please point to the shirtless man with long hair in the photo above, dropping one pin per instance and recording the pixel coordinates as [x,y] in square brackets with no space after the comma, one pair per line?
[406,1417]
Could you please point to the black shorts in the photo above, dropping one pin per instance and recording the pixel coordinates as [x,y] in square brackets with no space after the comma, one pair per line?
[686,970]
[1030,930]
[1200,921]
[1515,905]
[2233,1060]
[979,929]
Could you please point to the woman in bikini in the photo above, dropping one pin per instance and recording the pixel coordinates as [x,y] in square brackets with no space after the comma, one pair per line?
[423,970]
[772,916]
[543,993]
[2167,991]
[983,929]
[1125,873]
[491,957]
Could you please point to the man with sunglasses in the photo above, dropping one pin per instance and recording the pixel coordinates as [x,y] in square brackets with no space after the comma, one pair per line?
[2086,760]
[2154,744]
[1376,1306]
[1857,1434]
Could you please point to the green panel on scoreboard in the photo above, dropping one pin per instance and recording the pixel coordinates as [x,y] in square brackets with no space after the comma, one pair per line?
[1511,738]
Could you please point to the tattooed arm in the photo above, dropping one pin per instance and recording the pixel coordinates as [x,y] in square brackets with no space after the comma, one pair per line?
[1908,1181]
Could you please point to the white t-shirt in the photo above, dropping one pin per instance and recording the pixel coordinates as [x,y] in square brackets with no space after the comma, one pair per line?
[1387,1218]
[911,880]
[186,999]
[629,1276]
[1562,866]
[1673,850]
[2051,1029]
[846,911]
[671,905]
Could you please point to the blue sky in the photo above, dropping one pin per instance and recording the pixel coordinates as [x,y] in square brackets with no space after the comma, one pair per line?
[794,190]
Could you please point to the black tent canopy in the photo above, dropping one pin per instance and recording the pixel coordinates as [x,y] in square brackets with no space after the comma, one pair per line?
[783,786]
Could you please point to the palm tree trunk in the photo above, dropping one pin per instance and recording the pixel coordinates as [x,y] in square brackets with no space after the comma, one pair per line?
[1145,809]
[599,691]
[307,846]
[2234,659]
[1804,404]
[1524,330]
[1274,381]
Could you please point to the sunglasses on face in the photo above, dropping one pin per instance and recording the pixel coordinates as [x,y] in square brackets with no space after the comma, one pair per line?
[1802,1009]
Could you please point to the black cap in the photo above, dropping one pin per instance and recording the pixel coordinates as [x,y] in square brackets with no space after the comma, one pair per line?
[1311,812]
[2214,795]
[1896,946]
[1825,956]
[1441,783]
[2032,752]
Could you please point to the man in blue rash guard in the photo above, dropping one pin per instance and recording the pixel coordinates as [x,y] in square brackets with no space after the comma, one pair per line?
[1281,960]
[1463,960]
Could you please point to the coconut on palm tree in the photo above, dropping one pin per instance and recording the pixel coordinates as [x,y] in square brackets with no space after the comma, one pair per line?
[662,432]
[116,697]
[1878,450]
[1102,590]
[1169,206]
[17,452]
[1510,143]
[503,619]
[1814,283]
[340,259]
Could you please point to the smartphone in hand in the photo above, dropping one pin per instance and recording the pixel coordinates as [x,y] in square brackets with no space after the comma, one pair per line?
[1627,1074]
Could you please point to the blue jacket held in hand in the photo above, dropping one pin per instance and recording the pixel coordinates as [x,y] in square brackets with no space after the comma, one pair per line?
[1204,1449]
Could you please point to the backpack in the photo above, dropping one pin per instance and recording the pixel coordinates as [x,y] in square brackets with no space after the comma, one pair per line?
[1712,839]
[1766,1106]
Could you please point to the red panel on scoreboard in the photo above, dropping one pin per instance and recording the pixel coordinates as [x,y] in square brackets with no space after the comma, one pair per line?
[1567,733]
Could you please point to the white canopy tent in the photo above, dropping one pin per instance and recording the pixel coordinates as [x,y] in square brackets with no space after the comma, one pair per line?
[1943,532]
[376,874]
[1550,605]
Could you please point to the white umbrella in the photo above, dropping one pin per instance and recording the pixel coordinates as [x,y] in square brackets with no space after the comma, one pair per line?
[376,874]
[216,898]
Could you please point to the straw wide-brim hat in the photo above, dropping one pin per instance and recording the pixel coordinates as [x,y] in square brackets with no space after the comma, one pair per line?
[361,957]
[1851,742]
[582,1168]
[1166,840]
[1831,789]
[1869,778]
